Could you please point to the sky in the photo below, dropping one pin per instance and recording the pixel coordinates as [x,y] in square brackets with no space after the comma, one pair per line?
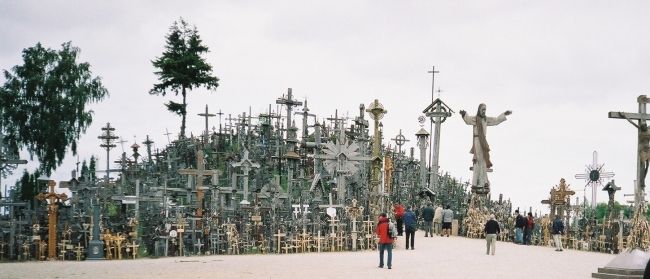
[560,66]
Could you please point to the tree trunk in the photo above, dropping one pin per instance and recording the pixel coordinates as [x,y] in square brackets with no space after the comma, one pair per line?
[184,113]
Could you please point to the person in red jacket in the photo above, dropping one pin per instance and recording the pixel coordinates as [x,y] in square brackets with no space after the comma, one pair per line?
[399,213]
[385,240]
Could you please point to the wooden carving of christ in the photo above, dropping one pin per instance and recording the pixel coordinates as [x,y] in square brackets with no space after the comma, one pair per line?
[480,148]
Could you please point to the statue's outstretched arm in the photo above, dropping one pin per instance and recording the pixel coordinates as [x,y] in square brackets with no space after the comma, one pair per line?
[628,119]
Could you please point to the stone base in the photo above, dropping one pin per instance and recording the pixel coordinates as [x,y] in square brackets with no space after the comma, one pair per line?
[629,264]
[95,250]
[613,273]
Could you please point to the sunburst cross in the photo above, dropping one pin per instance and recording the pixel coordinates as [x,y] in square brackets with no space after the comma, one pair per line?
[594,175]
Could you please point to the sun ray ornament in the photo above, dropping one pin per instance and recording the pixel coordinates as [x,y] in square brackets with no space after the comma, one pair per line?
[594,175]
[341,159]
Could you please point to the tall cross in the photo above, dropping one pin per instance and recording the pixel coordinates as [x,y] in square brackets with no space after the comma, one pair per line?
[220,114]
[399,141]
[433,73]
[305,115]
[52,209]
[207,115]
[437,112]
[246,165]
[167,133]
[643,144]
[199,173]
[107,142]
[290,103]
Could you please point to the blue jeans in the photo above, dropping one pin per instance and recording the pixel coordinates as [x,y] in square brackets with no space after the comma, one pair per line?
[389,248]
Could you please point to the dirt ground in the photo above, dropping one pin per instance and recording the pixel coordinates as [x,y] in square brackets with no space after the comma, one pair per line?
[433,257]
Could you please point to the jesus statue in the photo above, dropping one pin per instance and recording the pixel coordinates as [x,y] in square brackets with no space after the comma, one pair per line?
[480,148]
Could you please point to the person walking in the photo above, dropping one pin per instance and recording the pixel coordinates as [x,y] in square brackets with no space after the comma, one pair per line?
[492,229]
[520,224]
[528,231]
[410,224]
[385,240]
[437,221]
[399,215]
[447,217]
[427,216]
[558,230]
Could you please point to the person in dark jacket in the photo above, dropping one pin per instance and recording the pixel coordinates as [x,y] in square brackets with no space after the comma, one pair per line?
[558,230]
[520,224]
[385,241]
[528,232]
[492,229]
[427,216]
[410,223]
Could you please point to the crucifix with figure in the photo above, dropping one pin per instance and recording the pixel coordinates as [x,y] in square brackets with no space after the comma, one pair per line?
[52,209]
[638,238]
[638,120]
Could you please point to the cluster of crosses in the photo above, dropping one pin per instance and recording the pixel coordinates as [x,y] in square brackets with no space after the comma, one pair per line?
[255,184]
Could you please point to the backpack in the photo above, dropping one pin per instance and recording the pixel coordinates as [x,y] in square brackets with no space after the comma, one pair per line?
[392,230]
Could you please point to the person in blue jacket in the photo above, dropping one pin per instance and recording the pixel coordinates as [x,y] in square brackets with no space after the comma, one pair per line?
[410,222]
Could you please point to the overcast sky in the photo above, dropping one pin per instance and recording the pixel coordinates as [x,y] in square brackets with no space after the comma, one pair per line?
[560,66]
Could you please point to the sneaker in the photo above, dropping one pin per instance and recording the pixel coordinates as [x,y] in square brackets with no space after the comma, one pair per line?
[381,266]
[561,250]
[389,267]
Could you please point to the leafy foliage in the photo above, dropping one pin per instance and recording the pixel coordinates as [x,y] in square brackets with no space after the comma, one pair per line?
[44,103]
[181,67]
[28,186]
[601,210]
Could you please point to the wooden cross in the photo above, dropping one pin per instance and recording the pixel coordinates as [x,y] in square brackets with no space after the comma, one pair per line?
[207,115]
[79,250]
[354,212]
[643,148]
[290,103]
[134,248]
[52,209]
[319,240]
[279,235]
[199,173]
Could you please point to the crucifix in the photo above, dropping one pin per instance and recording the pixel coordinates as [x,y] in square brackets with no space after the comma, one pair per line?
[207,115]
[643,145]
[611,189]
[52,209]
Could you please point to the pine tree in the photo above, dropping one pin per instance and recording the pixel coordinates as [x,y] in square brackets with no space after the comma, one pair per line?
[181,67]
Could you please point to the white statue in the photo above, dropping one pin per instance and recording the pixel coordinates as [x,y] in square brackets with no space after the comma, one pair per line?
[480,148]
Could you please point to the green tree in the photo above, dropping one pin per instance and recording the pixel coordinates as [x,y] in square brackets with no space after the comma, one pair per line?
[181,67]
[44,103]
[28,186]
[92,168]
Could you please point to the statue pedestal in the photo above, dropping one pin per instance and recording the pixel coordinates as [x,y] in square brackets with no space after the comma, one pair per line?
[629,264]
[95,250]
